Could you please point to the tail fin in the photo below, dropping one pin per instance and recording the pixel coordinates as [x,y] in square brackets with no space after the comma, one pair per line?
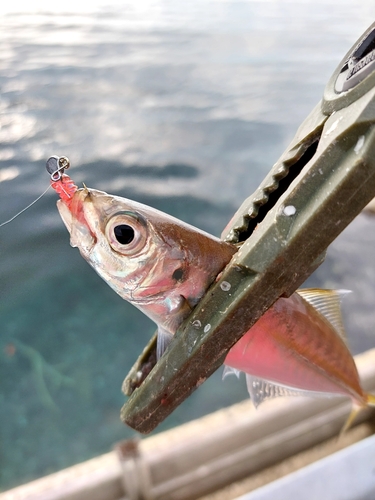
[370,401]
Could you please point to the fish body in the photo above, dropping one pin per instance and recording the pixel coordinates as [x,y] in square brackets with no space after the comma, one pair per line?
[164,267]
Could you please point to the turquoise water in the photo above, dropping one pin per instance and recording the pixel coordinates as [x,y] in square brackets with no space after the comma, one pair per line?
[180,105]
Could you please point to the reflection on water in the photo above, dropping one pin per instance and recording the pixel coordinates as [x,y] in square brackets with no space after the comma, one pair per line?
[180,105]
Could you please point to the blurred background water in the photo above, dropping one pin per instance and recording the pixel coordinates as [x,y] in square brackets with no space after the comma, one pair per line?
[184,106]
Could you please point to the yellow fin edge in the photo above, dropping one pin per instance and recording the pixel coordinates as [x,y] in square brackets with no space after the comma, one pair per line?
[370,401]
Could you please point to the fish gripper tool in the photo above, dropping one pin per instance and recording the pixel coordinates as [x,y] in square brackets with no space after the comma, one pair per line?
[317,187]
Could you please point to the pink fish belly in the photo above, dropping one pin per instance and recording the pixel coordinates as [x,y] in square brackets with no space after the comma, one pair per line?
[292,345]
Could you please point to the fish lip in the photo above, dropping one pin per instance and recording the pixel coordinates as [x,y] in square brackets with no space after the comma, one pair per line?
[65,214]
[73,216]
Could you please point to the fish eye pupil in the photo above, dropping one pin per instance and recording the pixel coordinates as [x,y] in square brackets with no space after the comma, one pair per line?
[124,234]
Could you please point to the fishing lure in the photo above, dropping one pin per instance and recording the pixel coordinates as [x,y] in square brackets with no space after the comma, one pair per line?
[60,182]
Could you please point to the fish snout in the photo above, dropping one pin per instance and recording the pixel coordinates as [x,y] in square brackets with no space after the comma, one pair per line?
[75,221]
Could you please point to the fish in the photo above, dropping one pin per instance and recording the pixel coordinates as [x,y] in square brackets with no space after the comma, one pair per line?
[164,266]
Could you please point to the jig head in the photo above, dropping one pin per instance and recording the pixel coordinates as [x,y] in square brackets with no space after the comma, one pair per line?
[60,182]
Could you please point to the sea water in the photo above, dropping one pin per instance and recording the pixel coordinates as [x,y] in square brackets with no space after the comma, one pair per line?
[184,106]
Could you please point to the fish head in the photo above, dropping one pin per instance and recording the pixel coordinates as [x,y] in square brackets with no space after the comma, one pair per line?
[158,263]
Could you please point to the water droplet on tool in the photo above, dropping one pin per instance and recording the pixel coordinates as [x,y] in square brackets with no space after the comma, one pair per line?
[289,210]
[225,286]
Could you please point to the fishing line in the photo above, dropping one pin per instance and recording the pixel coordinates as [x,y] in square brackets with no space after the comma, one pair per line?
[24,209]
[56,165]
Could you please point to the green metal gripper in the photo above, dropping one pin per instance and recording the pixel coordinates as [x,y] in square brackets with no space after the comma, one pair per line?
[321,182]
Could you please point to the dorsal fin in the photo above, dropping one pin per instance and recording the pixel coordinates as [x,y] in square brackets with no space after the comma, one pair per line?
[260,390]
[327,303]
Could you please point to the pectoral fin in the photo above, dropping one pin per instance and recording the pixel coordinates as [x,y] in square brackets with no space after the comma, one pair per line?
[228,370]
[163,341]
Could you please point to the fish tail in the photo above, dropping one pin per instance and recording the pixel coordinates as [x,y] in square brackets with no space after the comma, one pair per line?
[356,409]
[370,399]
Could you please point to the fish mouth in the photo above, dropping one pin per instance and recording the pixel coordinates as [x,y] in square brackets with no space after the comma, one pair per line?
[73,216]
[65,214]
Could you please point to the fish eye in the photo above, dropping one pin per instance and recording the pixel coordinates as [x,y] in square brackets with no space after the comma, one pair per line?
[126,233]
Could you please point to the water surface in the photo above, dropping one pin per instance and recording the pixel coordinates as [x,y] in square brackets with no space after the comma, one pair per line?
[184,106]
